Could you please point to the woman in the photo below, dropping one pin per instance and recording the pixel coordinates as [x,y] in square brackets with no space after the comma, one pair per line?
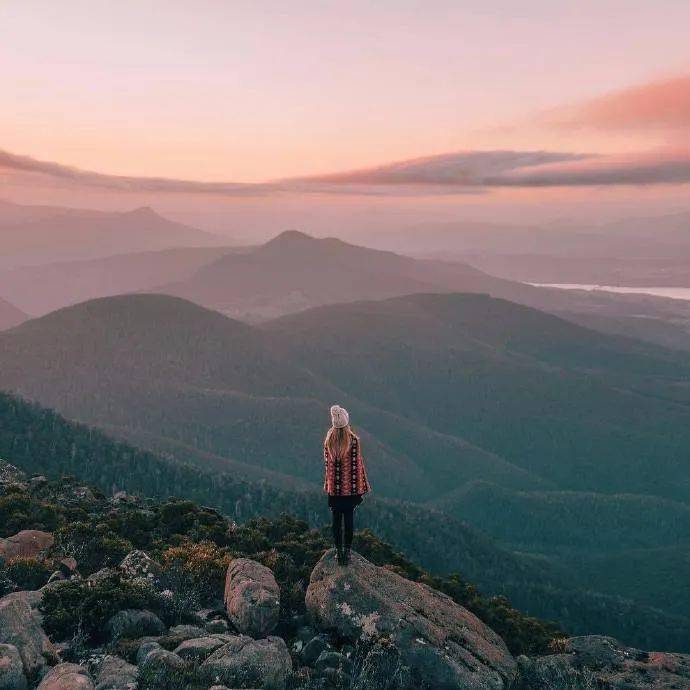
[346,478]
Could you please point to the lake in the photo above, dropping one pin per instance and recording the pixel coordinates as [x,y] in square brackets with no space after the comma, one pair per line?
[672,292]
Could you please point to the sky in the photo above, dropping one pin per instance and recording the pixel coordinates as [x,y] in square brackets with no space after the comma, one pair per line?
[265,98]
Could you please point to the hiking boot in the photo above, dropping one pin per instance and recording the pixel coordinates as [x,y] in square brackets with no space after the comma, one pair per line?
[341,556]
[346,556]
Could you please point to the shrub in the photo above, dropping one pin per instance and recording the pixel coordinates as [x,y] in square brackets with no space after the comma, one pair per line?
[28,573]
[94,546]
[18,511]
[85,606]
[195,575]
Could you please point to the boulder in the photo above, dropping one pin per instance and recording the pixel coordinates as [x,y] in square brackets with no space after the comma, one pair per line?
[333,659]
[164,670]
[181,633]
[19,627]
[138,564]
[313,649]
[115,673]
[198,649]
[441,643]
[66,677]
[596,661]
[217,626]
[29,543]
[247,663]
[252,597]
[11,669]
[133,623]
[144,648]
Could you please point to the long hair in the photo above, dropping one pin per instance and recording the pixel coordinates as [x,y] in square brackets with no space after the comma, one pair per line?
[338,441]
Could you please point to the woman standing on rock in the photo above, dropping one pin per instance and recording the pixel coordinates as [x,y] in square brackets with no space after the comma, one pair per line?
[346,478]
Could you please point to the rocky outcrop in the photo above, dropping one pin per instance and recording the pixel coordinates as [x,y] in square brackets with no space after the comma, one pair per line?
[11,669]
[134,623]
[252,597]
[247,663]
[138,564]
[29,543]
[596,661]
[199,649]
[67,677]
[115,673]
[434,642]
[163,670]
[20,628]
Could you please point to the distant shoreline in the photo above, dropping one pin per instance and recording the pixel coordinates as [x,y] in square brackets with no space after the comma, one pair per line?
[682,293]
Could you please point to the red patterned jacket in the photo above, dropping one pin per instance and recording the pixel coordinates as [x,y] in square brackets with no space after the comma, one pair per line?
[346,476]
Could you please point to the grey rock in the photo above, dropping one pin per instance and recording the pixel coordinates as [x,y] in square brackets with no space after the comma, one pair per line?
[186,632]
[313,649]
[444,645]
[29,543]
[332,659]
[20,627]
[249,663]
[596,661]
[138,565]
[66,677]
[163,670]
[115,673]
[11,669]
[144,649]
[133,623]
[383,669]
[252,597]
[199,649]
[219,625]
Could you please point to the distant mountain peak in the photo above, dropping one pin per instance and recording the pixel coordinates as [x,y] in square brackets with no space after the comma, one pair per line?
[142,212]
[288,237]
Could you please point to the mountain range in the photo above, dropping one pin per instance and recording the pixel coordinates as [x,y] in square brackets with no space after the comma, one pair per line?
[10,316]
[31,235]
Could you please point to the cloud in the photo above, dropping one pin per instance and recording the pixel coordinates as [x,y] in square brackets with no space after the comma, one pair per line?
[470,172]
[663,104]
[466,168]
[86,178]
[661,167]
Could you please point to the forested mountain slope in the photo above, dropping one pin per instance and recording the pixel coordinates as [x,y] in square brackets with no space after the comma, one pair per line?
[38,440]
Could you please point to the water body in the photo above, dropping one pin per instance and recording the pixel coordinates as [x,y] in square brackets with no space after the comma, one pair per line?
[672,292]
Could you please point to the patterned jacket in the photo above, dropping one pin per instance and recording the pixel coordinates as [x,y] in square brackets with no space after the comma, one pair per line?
[346,476]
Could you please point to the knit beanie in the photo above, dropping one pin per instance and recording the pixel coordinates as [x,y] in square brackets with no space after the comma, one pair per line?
[339,417]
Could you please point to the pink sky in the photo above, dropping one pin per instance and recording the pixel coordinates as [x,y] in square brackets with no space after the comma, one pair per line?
[257,91]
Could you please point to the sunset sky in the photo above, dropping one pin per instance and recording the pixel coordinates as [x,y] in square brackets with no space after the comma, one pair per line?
[256,92]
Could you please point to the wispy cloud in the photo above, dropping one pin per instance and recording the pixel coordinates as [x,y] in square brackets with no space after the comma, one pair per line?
[663,104]
[453,173]
[26,164]
[465,168]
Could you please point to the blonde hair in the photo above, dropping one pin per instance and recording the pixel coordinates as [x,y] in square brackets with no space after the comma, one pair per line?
[339,441]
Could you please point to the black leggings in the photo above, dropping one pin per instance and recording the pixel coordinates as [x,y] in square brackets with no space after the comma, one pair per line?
[340,516]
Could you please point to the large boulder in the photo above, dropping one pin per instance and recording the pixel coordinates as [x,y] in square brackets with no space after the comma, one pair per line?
[595,661]
[133,623]
[66,677]
[164,670]
[247,663]
[436,643]
[115,673]
[252,597]
[11,669]
[20,628]
[199,649]
[29,543]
